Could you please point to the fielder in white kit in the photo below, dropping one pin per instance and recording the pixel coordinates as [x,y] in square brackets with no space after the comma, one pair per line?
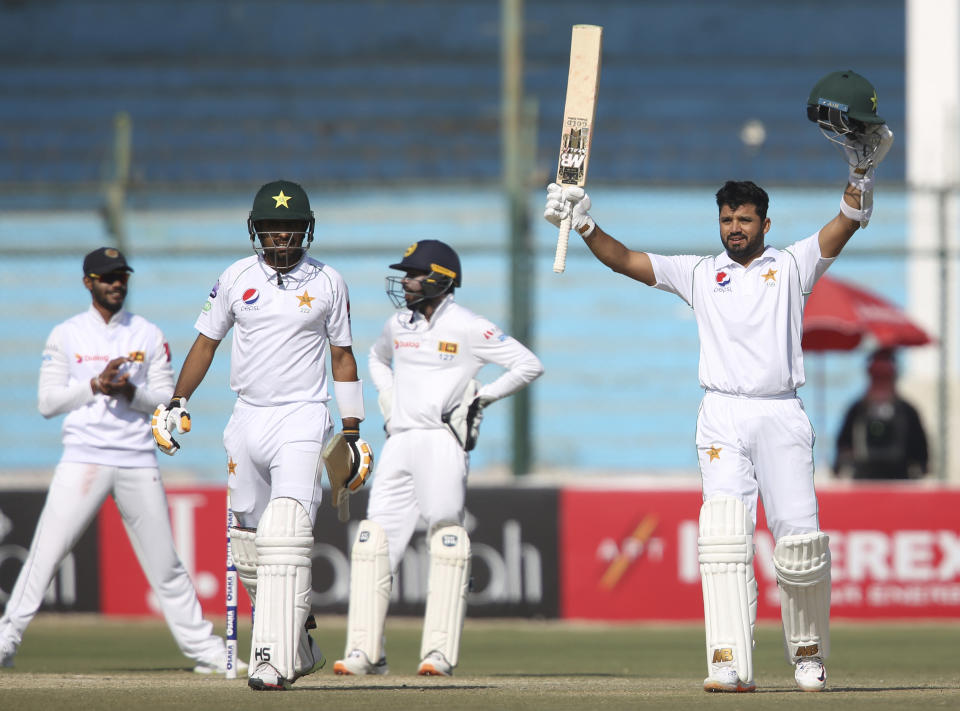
[106,368]
[753,436]
[285,309]
[424,365]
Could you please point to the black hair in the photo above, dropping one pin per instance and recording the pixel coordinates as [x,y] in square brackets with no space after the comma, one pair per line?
[735,193]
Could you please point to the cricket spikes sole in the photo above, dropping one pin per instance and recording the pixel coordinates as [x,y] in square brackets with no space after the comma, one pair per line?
[266,678]
[725,680]
[811,674]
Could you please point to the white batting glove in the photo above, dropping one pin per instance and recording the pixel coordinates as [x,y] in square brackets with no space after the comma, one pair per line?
[166,419]
[361,460]
[864,151]
[569,202]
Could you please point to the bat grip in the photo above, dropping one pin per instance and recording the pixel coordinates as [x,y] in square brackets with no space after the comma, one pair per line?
[563,238]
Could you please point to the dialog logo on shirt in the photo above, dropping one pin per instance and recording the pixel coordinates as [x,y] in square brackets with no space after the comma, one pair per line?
[398,344]
[87,358]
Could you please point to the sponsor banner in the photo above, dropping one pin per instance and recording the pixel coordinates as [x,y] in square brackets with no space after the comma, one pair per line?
[74,587]
[632,555]
[513,536]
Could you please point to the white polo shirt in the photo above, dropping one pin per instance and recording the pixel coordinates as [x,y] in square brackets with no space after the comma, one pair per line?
[429,363]
[280,332]
[750,320]
[100,429]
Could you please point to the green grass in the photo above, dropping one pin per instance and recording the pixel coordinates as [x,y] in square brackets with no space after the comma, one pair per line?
[88,662]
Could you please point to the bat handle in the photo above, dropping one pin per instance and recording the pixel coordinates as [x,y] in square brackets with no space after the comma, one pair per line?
[563,238]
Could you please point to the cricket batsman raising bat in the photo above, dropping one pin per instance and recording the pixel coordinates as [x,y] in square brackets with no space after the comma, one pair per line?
[583,81]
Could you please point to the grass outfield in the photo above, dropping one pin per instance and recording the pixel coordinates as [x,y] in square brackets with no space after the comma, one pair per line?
[86,662]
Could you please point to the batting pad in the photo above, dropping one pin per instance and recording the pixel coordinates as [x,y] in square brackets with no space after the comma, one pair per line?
[803,573]
[284,543]
[243,548]
[446,593]
[370,586]
[729,585]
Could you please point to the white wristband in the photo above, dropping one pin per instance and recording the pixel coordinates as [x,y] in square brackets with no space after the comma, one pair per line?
[853,213]
[349,395]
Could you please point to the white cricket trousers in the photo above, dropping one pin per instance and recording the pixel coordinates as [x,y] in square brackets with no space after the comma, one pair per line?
[750,446]
[76,493]
[420,473]
[275,452]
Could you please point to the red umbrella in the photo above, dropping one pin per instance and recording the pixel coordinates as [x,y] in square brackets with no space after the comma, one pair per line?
[839,315]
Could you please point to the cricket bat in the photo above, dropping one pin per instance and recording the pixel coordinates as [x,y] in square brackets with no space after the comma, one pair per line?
[583,83]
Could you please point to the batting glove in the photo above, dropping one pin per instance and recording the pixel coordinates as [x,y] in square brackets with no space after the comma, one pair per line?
[569,202]
[166,419]
[361,460]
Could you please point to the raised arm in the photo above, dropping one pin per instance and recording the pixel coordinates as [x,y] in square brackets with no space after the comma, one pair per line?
[575,203]
[863,152]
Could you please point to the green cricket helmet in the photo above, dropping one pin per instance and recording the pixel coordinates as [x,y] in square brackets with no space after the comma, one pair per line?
[285,206]
[843,102]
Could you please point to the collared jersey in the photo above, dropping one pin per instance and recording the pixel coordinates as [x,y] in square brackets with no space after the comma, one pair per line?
[99,429]
[750,319]
[280,332]
[428,364]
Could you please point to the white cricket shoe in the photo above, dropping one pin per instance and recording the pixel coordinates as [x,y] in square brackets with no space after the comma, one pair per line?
[357,664]
[311,657]
[435,664]
[726,679]
[7,652]
[218,665]
[266,678]
[811,674]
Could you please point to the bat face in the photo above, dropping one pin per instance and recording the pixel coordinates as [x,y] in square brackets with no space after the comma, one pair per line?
[580,109]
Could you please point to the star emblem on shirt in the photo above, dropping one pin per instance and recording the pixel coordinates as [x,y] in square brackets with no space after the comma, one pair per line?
[231,467]
[714,452]
[306,299]
[770,275]
[282,200]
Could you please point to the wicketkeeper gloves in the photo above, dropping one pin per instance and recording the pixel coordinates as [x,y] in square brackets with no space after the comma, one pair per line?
[166,418]
[572,202]
[464,420]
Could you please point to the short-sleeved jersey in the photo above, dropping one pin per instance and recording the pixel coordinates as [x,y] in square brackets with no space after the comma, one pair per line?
[280,331]
[428,364]
[750,320]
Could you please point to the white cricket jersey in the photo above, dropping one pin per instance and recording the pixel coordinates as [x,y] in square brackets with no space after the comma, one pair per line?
[428,364]
[280,332]
[750,319]
[99,429]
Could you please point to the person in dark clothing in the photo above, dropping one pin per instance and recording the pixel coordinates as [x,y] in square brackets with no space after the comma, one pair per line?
[882,436]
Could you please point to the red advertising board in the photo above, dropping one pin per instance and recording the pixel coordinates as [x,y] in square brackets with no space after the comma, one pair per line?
[198,519]
[632,555]
[628,554]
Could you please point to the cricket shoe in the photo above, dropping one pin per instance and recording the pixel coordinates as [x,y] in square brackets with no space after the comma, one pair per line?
[357,664]
[218,665]
[810,674]
[311,658]
[726,679]
[266,678]
[435,664]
